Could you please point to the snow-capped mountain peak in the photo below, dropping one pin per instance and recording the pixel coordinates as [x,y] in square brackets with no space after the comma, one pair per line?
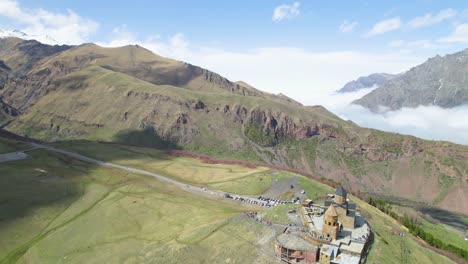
[46,39]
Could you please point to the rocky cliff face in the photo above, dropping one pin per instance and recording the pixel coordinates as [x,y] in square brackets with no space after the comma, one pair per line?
[7,113]
[440,81]
[4,72]
[92,93]
[373,80]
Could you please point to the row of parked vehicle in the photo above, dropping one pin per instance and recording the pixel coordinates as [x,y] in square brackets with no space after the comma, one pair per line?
[262,200]
[272,201]
[264,203]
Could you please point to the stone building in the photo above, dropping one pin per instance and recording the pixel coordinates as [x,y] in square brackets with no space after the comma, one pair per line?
[340,195]
[328,254]
[291,248]
[334,233]
[307,203]
[346,211]
[330,223]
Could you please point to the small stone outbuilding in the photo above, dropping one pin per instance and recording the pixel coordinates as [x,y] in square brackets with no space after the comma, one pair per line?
[291,248]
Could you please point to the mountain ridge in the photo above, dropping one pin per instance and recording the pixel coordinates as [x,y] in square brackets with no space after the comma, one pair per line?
[370,81]
[138,62]
[440,81]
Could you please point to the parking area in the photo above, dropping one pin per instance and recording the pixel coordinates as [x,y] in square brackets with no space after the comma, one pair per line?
[260,201]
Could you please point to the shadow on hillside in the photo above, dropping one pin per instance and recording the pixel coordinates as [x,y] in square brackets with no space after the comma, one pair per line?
[43,179]
[144,138]
[445,217]
[54,181]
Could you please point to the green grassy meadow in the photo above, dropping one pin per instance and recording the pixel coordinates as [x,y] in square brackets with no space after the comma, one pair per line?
[59,210]
[54,209]
[449,234]
[389,246]
[230,178]
[7,146]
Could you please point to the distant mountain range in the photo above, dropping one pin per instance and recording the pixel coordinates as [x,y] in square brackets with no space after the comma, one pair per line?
[373,80]
[133,96]
[440,81]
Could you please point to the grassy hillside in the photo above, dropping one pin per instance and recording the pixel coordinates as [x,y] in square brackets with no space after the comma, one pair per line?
[448,228]
[129,95]
[7,146]
[7,113]
[389,246]
[114,216]
[145,114]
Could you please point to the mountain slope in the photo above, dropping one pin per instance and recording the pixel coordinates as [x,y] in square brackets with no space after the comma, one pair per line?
[372,80]
[131,60]
[7,113]
[21,55]
[441,81]
[98,95]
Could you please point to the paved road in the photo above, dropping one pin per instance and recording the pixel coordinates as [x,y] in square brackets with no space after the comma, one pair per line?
[181,185]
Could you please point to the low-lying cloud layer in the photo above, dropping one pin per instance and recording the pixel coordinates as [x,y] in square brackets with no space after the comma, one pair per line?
[427,122]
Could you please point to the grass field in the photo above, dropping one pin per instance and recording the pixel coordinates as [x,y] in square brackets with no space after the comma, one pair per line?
[58,210]
[11,145]
[446,233]
[54,209]
[389,246]
[279,214]
[229,178]
[314,189]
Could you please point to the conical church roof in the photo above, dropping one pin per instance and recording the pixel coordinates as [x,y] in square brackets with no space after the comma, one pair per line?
[331,211]
[341,191]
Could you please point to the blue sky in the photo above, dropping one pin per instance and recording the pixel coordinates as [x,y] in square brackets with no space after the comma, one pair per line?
[305,49]
[307,46]
[246,24]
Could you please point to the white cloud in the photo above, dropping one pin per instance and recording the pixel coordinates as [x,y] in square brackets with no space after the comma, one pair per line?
[429,19]
[347,26]
[428,122]
[67,28]
[385,26]
[335,101]
[460,34]
[299,73]
[397,43]
[411,45]
[175,46]
[283,12]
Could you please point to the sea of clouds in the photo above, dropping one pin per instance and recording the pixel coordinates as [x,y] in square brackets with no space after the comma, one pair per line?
[427,122]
